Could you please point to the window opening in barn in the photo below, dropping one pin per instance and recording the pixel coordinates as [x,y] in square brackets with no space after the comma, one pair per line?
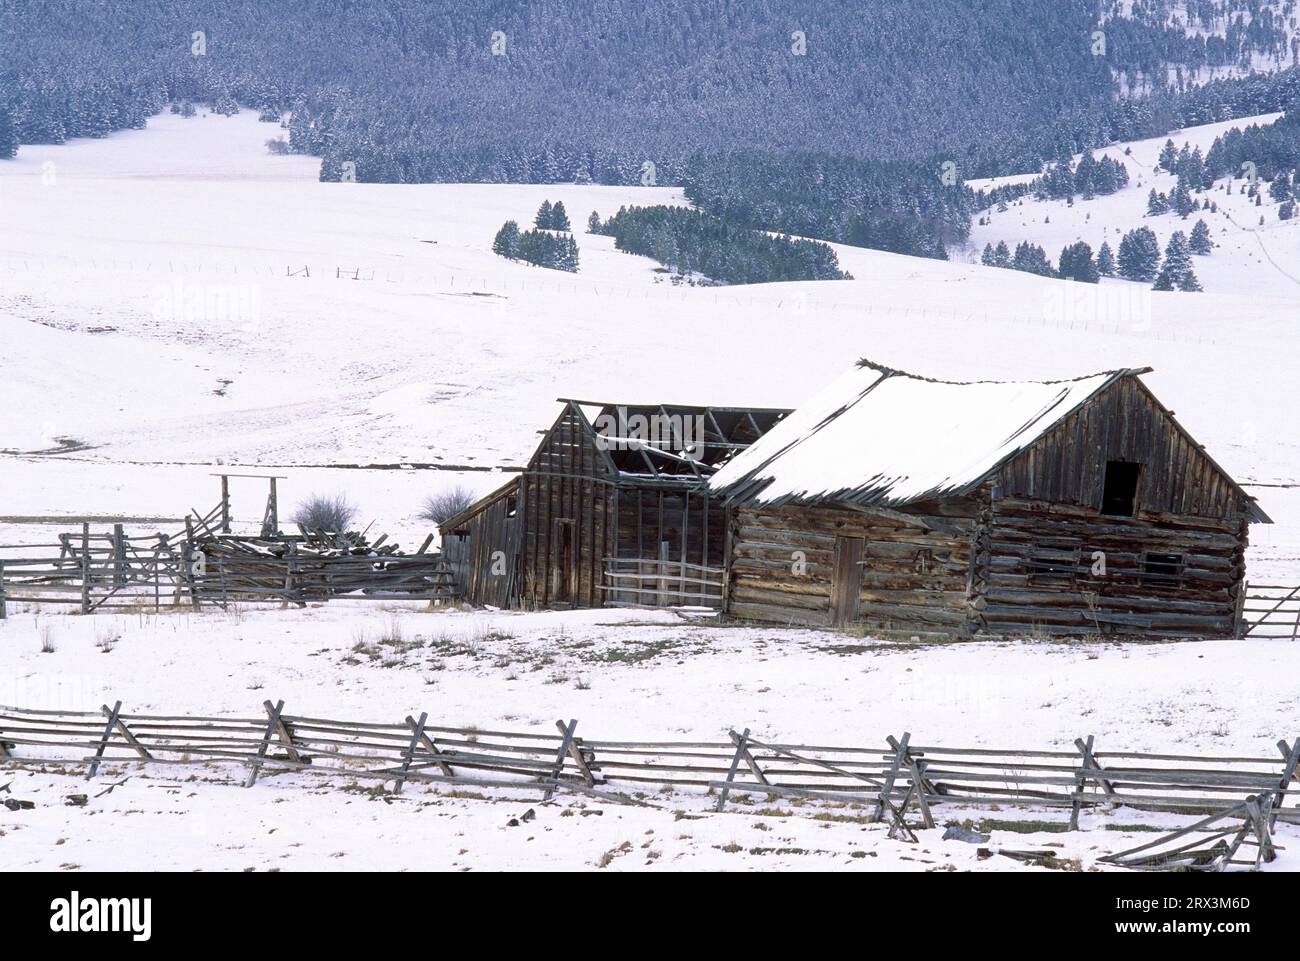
[1119,491]
[1162,570]
[460,534]
[512,505]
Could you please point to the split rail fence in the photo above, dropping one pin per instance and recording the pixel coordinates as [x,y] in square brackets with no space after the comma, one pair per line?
[895,781]
[202,567]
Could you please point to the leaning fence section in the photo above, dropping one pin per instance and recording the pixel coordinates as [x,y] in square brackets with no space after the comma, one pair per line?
[895,780]
[205,567]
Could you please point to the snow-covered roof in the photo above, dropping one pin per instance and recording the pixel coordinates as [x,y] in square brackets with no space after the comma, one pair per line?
[885,437]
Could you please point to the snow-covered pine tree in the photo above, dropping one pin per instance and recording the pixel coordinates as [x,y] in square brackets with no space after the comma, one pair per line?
[1139,255]
[1106,261]
[1178,257]
[1200,242]
[594,225]
[544,215]
[506,243]
[560,217]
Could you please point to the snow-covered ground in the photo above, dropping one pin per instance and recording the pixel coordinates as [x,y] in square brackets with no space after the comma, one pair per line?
[157,323]
[649,676]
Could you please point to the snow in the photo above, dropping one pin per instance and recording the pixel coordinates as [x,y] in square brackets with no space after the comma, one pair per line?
[900,437]
[440,364]
[1250,259]
[623,675]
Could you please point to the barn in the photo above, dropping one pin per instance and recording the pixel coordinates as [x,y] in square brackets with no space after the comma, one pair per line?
[613,509]
[899,502]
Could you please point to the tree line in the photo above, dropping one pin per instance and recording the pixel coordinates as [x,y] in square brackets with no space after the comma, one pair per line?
[691,242]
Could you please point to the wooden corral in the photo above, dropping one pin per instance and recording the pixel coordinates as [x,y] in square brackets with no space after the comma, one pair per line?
[1089,510]
[612,509]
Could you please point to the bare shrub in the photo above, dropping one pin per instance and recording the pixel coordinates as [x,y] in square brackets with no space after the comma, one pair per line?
[322,512]
[447,503]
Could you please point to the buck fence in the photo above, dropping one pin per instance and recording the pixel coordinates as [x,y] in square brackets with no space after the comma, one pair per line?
[896,780]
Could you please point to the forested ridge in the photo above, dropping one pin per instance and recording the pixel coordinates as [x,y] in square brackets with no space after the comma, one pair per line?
[847,122]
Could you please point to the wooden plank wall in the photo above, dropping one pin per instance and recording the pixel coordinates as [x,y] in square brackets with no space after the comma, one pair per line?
[473,555]
[913,578]
[569,480]
[1126,423]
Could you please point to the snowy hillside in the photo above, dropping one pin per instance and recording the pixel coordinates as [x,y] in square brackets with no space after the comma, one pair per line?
[178,296]
[1249,258]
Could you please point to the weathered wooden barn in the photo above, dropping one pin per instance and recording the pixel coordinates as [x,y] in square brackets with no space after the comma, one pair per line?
[612,509]
[897,502]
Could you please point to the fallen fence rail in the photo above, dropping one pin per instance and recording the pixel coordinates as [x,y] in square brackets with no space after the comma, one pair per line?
[892,779]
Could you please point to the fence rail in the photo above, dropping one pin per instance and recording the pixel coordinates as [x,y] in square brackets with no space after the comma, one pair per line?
[889,778]
[204,568]
[1271,612]
[660,582]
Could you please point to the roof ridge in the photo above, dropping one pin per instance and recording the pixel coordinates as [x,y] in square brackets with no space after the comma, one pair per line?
[898,372]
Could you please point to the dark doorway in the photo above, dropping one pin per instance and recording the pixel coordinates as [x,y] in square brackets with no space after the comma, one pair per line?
[564,562]
[1119,491]
[846,581]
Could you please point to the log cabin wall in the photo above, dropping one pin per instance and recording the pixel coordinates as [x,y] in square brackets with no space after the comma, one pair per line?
[828,566]
[482,549]
[1065,569]
[1056,563]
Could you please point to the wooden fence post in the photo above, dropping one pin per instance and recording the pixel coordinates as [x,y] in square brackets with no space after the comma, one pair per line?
[558,767]
[409,753]
[428,742]
[575,752]
[285,733]
[225,504]
[900,755]
[255,762]
[85,567]
[1290,757]
[119,557]
[3,611]
[735,764]
[103,741]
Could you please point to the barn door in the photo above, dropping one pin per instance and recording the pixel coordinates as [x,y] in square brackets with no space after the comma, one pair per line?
[565,564]
[846,580]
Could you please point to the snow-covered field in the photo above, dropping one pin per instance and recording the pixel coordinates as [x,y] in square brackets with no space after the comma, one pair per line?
[650,676]
[156,321]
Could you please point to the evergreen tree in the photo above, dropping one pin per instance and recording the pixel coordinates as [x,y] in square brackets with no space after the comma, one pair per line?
[1076,263]
[1286,211]
[1182,201]
[594,226]
[1189,283]
[1139,255]
[1106,261]
[1163,282]
[544,216]
[1168,156]
[1200,242]
[1002,255]
[1280,188]
[506,243]
[560,217]
[1156,203]
[1032,259]
[1178,257]
[8,137]
[987,258]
